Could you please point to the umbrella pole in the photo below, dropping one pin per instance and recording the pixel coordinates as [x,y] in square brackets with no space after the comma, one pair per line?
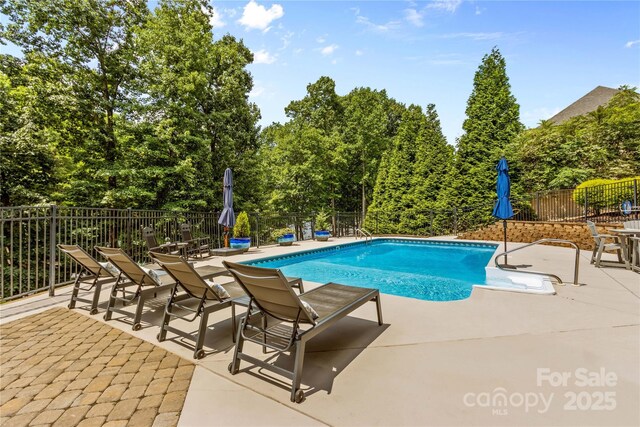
[226,237]
[504,227]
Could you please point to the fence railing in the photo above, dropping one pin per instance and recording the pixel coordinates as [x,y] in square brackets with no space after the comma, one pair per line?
[31,262]
[600,203]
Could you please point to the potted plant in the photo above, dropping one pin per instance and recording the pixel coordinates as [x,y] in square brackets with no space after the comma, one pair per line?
[241,233]
[322,226]
[284,236]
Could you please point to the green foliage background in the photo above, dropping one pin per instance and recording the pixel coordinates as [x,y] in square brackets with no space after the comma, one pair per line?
[116,105]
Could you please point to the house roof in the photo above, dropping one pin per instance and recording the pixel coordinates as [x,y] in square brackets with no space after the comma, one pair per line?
[599,96]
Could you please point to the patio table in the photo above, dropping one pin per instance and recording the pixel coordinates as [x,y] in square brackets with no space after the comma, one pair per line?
[625,235]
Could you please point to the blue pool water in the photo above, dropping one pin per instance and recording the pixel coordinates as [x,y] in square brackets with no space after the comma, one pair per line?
[428,270]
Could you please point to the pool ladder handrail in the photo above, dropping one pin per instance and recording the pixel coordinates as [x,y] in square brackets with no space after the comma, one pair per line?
[364,233]
[576,263]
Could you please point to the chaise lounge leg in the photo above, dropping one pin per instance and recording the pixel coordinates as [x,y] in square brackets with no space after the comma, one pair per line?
[235,363]
[74,293]
[96,296]
[297,369]
[202,330]
[138,316]
[379,308]
[112,302]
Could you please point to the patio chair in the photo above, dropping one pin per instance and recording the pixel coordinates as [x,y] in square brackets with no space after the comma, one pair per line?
[143,284]
[634,225]
[95,274]
[196,246]
[308,314]
[606,243]
[149,236]
[210,297]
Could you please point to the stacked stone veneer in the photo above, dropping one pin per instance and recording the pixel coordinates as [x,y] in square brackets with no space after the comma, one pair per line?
[530,231]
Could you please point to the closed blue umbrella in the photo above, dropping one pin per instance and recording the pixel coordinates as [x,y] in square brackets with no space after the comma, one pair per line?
[227,217]
[503,209]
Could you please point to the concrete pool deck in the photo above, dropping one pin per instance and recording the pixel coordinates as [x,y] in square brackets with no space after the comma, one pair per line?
[496,358]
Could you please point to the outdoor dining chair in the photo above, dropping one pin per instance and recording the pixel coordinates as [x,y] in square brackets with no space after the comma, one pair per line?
[143,284]
[606,243]
[149,236]
[308,314]
[93,273]
[195,246]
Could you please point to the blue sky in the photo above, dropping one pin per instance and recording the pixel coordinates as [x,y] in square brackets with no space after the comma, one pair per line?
[425,52]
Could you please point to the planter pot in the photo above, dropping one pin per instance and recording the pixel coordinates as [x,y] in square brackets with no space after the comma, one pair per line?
[286,240]
[240,243]
[322,236]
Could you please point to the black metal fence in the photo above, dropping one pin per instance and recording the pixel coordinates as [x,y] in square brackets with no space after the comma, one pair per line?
[602,203]
[31,262]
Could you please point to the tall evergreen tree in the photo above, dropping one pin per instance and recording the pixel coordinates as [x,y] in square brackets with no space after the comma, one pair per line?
[392,195]
[493,121]
[432,163]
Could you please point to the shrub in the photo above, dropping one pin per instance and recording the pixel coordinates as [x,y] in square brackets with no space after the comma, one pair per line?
[242,227]
[276,234]
[601,193]
[322,221]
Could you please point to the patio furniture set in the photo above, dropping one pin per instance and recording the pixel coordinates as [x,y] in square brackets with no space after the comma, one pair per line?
[266,294]
[625,242]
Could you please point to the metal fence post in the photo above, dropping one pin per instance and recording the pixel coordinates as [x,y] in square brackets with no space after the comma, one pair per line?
[52,250]
[129,244]
[635,192]
[455,220]
[257,230]
[586,203]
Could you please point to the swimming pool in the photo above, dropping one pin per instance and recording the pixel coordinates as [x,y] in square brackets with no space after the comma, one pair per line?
[423,269]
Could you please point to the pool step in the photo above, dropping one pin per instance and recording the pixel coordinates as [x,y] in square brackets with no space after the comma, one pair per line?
[514,281]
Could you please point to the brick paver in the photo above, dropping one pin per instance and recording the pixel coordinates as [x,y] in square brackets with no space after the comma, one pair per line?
[65,369]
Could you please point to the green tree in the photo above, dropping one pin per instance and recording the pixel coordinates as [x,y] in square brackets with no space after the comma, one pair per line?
[94,41]
[320,108]
[602,144]
[493,121]
[364,137]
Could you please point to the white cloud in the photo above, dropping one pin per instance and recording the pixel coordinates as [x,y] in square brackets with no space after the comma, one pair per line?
[263,57]
[215,17]
[334,62]
[380,28]
[255,16]
[298,51]
[321,39]
[473,36]
[445,5]
[256,91]
[286,39]
[328,50]
[359,52]
[631,43]
[414,17]
[479,10]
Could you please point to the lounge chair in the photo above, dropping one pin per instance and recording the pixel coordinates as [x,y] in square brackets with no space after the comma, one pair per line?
[194,246]
[143,284]
[606,243]
[149,236]
[209,297]
[95,274]
[271,295]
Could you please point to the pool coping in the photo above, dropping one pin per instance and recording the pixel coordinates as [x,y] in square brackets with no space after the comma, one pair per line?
[337,247]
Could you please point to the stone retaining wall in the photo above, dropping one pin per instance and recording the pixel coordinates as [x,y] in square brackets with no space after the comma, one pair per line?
[530,231]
